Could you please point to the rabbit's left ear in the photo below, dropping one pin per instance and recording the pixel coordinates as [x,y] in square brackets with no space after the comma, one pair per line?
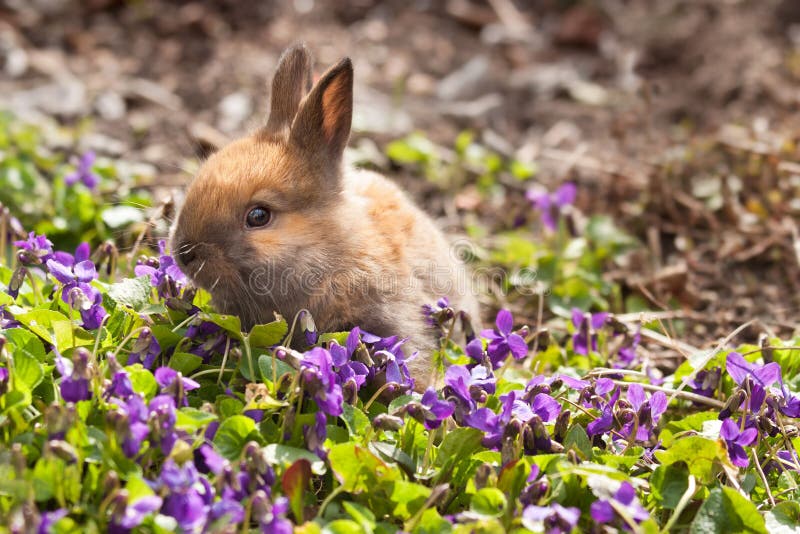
[322,125]
[291,83]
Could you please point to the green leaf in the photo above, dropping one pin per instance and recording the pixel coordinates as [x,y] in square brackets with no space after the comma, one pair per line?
[578,440]
[132,292]
[725,511]
[265,362]
[137,488]
[232,435]
[165,336]
[56,328]
[282,455]
[360,514]
[432,523]
[191,419]
[355,420]
[489,502]
[358,469]
[408,498]
[267,335]
[27,372]
[342,526]
[784,518]
[185,362]
[460,443]
[668,483]
[142,380]
[702,454]
[24,341]
[229,323]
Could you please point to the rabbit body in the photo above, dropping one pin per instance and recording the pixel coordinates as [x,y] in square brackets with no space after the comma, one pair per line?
[347,245]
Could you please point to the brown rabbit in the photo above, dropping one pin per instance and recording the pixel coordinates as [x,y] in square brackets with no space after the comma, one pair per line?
[273,222]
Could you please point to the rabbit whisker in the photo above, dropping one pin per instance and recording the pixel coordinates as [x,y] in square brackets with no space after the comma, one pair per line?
[214,284]
[199,269]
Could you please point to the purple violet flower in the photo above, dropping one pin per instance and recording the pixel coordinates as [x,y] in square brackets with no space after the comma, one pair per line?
[162,413]
[187,495]
[553,519]
[163,273]
[503,341]
[173,383]
[469,385]
[436,314]
[606,422]
[586,327]
[759,378]
[705,382]
[75,376]
[320,380]
[75,274]
[552,204]
[625,497]
[390,353]
[83,173]
[351,374]
[272,517]
[135,514]
[7,319]
[648,411]
[315,435]
[120,386]
[130,422]
[35,250]
[49,519]
[736,440]
[762,375]
[209,339]
[145,349]
[626,356]
[430,411]
[207,460]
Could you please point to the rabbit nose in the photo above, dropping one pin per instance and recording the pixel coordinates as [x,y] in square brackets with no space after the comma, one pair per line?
[187,252]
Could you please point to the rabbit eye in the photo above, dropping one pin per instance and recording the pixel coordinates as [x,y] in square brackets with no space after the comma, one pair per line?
[258,216]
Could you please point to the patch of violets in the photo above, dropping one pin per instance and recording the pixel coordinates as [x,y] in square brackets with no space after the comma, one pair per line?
[74,272]
[198,488]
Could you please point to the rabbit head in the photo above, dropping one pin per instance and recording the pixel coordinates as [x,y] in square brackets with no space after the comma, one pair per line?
[258,226]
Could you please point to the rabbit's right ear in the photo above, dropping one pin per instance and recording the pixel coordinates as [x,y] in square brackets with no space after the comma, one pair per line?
[291,83]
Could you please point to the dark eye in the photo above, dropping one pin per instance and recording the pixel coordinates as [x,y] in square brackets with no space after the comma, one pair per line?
[258,216]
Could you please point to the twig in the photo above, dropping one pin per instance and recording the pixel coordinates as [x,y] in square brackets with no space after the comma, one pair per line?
[676,393]
[763,478]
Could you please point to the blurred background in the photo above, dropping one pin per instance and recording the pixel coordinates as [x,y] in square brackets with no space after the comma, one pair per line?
[160,77]
[677,118]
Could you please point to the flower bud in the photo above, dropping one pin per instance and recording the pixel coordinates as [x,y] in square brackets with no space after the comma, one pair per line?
[3,381]
[17,278]
[561,426]
[61,449]
[385,421]
[482,474]
[309,327]
[732,404]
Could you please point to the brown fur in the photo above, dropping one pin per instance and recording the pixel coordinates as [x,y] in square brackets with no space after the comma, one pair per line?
[346,245]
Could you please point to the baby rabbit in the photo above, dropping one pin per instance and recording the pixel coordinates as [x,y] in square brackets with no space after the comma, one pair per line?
[273,222]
